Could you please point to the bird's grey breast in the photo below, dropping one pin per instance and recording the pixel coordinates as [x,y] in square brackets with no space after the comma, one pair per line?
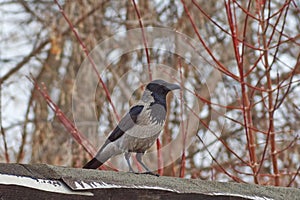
[147,128]
[157,113]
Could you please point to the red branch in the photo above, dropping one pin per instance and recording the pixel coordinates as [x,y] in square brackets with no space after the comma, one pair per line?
[246,105]
[77,135]
[158,144]
[215,160]
[221,67]
[86,51]
[160,169]
[183,130]
[7,160]
[144,38]
[71,128]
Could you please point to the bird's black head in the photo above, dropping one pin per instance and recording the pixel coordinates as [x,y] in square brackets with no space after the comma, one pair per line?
[155,94]
[161,87]
[159,90]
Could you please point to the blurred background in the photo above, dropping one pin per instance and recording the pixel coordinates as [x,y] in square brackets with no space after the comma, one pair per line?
[253,44]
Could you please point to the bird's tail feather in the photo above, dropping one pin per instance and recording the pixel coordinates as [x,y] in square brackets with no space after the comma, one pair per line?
[92,164]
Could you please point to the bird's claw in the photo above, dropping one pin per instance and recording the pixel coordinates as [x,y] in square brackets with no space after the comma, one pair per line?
[149,173]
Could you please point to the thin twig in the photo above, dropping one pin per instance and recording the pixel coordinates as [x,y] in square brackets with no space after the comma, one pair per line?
[2,129]
[86,51]
[221,67]
[71,128]
[221,167]
[41,46]
[246,105]
[271,109]
[77,135]
[144,38]
[294,177]
[183,130]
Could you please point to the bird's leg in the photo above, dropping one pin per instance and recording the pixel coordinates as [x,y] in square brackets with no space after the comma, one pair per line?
[127,157]
[139,159]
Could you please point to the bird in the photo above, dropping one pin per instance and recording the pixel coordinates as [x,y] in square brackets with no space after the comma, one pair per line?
[139,128]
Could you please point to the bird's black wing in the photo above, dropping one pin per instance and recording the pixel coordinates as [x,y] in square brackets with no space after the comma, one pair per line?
[126,123]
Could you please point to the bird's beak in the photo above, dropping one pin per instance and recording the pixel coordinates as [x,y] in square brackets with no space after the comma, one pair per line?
[172,86]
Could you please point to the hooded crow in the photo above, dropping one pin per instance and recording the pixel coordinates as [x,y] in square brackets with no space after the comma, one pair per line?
[139,128]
